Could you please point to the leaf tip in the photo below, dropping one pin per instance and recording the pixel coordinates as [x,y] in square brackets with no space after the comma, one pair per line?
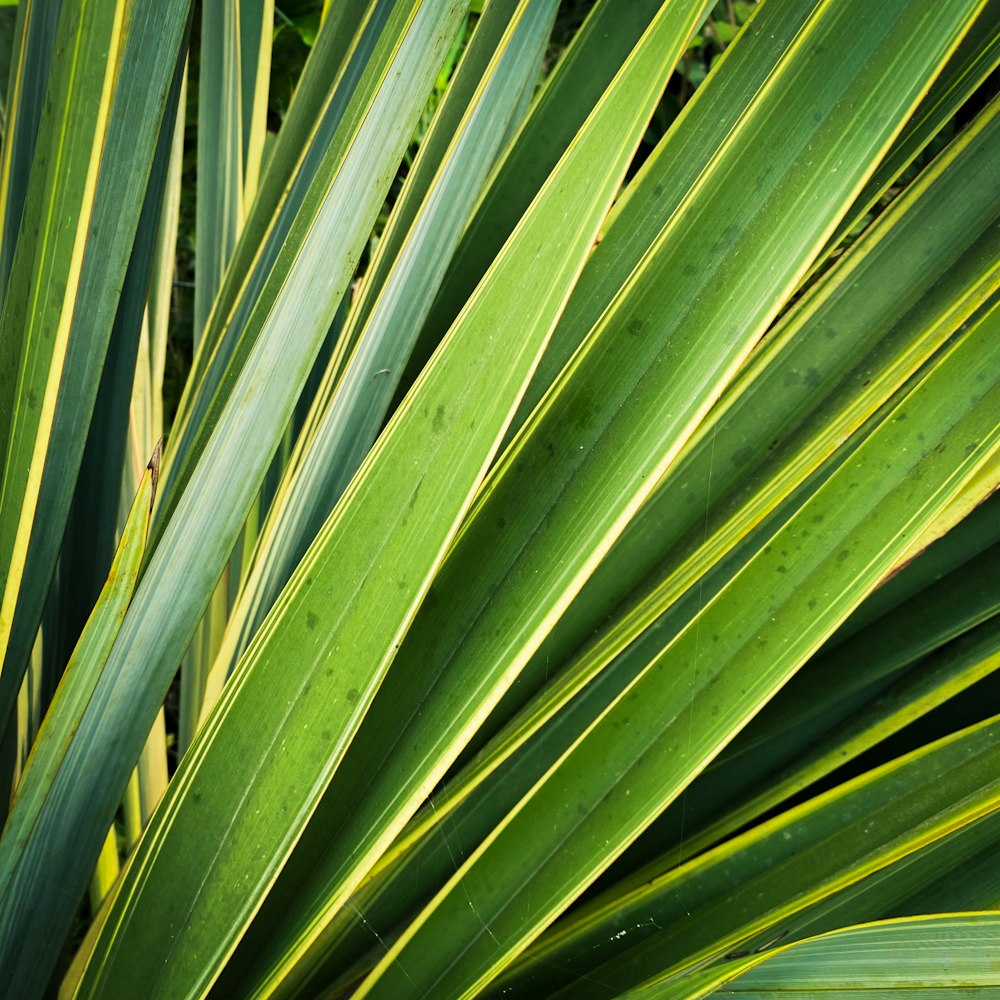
[154,468]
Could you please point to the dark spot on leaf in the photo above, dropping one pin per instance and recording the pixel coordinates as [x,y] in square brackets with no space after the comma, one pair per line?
[437,424]
[352,695]
[763,176]
[414,495]
[585,412]
[312,620]
[726,238]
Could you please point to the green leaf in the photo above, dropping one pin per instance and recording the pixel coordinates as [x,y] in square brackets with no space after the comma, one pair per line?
[89,180]
[863,708]
[34,329]
[926,956]
[234,63]
[870,689]
[256,19]
[27,961]
[531,654]
[93,522]
[675,717]
[182,571]
[232,114]
[324,889]
[581,76]
[609,429]
[352,402]
[770,884]
[8,48]
[977,56]
[458,819]
[34,37]
[827,367]
[183,931]
[661,187]
[333,72]
[971,536]
[220,150]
